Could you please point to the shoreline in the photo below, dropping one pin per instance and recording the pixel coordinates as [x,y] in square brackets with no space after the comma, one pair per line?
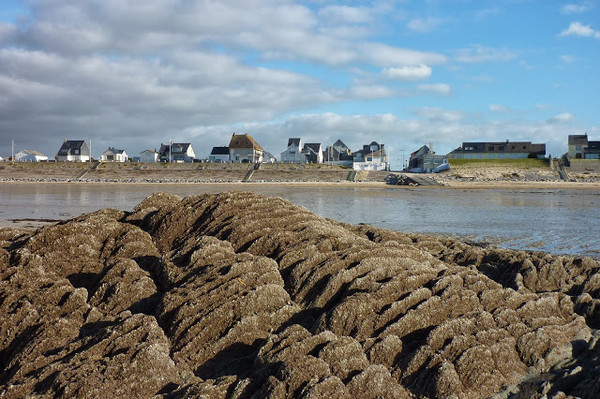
[481,184]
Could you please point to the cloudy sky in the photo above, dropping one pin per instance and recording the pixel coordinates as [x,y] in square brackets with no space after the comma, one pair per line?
[134,74]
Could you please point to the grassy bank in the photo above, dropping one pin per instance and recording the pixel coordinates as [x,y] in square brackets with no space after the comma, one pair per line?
[183,172]
[513,163]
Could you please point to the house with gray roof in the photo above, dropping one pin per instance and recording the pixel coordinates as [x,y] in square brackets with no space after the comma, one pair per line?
[114,155]
[176,152]
[73,151]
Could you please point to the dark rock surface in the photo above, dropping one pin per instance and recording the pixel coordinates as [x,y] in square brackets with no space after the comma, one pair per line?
[241,295]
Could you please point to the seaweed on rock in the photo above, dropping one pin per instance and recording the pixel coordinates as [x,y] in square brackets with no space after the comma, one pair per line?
[242,295]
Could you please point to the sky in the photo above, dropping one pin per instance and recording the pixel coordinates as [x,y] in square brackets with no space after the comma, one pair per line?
[134,74]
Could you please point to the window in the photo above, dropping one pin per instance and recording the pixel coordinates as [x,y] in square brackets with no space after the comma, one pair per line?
[75,151]
[491,148]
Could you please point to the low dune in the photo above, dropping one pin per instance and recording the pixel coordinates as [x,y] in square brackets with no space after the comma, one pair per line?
[242,295]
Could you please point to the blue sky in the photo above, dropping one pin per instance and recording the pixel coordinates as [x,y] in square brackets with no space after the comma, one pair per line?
[132,75]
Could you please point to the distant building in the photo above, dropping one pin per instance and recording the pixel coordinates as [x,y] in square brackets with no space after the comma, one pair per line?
[293,153]
[313,152]
[425,160]
[243,148]
[338,154]
[371,157]
[30,156]
[219,154]
[581,148]
[114,155]
[498,150]
[73,151]
[149,156]
[176,152]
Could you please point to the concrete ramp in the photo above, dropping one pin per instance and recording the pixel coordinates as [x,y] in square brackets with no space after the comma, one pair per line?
[410,180]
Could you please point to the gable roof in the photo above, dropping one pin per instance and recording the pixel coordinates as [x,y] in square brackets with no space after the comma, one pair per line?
[339,144]
[149,152]
[578,139]
[294,142]
[69,145]
[30,152]
[220,151]
[114,150]
[177,148]
[424,150]
[244,141]
[314,147]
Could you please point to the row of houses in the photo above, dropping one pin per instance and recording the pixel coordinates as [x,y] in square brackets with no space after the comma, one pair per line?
[425,160]
[243,148]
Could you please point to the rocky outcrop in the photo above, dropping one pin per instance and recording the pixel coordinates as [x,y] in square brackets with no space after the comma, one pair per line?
[241,295]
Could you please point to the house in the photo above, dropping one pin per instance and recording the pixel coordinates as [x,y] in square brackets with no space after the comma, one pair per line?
[114,155]
[243,148]
[176,152]
[371,157]
[581,148]
[425,160]
[73,151]
[30,156]
[293,154]
[498,150]
[149,156]
[219,154]
[313,152]
[338,154]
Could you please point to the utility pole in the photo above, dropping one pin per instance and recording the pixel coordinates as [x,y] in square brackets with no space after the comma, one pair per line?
[170,150]
[12,151]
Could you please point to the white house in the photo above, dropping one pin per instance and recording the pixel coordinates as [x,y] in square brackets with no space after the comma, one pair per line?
[149,156]
[114,155]
[176,152]
[73,151]
[30,156]
[371,157]
[293,154]
[219,154]
[243,148]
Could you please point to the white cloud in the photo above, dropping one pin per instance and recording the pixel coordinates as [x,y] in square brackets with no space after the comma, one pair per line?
[384,55]
[436,88]
[440,114]
[568,59]
[424,25]
[478,53]
[561,118]
[499,108]
[576,8]
[345,14]
[408,73]
[578,29]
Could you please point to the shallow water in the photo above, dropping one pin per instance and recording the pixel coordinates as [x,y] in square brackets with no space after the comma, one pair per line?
[551,220]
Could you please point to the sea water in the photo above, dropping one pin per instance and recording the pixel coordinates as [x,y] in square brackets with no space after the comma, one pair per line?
[551,220]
